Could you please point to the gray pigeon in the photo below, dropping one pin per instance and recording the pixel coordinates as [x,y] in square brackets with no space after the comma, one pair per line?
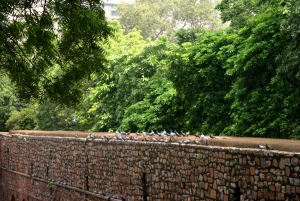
[187,141]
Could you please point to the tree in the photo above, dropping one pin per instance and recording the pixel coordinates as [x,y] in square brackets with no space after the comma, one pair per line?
[38,37]
[263,73]
[103,106]
[155,18]
[198,71]
[160,107]
[8,100]
[237,12]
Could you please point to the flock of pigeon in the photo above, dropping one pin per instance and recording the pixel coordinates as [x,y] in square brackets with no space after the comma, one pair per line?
[163,136]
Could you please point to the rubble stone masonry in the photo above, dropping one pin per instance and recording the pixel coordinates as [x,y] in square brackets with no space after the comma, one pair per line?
[63,168]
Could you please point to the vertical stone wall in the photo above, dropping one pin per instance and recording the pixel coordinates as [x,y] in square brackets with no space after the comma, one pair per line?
[79,169]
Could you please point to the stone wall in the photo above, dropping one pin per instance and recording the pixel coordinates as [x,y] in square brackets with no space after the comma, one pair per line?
[45,168]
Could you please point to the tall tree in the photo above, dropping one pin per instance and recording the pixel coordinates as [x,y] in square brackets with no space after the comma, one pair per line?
[263,74]
[198,71]
[38,36]
[112,92]
[158,17]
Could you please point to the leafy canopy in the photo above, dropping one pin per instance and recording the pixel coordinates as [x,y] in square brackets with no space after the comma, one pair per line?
[47,47]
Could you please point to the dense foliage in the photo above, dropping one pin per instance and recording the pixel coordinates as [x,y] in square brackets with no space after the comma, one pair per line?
[48,46]
[242,80]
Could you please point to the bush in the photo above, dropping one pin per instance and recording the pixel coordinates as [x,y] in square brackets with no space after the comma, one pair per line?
[22,120]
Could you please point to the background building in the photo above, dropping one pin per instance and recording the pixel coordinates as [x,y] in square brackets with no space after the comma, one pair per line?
[110,8]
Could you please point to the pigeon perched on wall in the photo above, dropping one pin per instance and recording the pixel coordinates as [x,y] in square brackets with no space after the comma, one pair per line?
[261,146]
[76,136]
[207,142]
[196,142]
[172,134]
[267,146]
[202,136]
[187,141]
[211,136]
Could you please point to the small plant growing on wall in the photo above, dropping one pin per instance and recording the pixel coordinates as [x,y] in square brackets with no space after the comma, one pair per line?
[51,185]
[77,164]
[84,140]
[25,140]
[199,157]
[92,164]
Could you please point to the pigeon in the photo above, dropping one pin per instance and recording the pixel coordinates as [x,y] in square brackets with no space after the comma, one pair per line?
[261,146]
[145,139]
[196,142]
[172,134]
[137,133]
[88,137]
[117,132]
[211,136]
[207,142]
[74,121]
[267,146]
[108,138]
[202,136]
[133,138]
[154,139]
[187,141]
[180,141]
[76,136]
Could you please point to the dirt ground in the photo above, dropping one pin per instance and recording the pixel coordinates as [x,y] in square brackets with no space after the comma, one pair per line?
[223,141]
